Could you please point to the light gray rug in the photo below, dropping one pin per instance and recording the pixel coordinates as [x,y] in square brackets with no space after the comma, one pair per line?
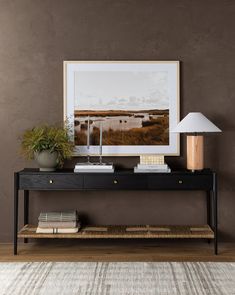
[117,278]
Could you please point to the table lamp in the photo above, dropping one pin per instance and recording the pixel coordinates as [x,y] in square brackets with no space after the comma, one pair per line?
[195,124]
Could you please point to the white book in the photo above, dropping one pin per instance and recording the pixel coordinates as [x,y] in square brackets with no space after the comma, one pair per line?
[56,230]
[137,170]
[152,166]
[97,170]
[69,215]
[93,166]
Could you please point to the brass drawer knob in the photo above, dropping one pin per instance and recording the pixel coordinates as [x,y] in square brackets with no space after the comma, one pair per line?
[115,181]
[50,181]
[180,181]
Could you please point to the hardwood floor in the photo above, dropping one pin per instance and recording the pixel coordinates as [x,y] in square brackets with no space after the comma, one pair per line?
[113,250]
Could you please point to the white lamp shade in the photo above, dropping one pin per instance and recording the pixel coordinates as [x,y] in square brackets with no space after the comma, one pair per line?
[195,123]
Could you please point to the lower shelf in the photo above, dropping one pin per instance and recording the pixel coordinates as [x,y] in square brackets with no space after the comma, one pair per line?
[122,232]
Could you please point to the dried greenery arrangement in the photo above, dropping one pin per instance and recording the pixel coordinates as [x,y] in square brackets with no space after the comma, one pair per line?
[50,138]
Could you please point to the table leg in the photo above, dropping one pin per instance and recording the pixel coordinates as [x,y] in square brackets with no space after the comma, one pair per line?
[208,201]
[26,210]
[215,213]
[16,203]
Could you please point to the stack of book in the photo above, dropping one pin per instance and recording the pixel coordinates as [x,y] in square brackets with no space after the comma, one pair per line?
[94,167]
[58,222]
[153,168]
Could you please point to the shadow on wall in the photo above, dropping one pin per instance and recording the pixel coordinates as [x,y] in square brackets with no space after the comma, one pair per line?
[220,152]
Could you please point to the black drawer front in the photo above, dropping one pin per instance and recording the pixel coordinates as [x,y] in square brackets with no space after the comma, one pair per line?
[118,182]
[51,182]
[178,182]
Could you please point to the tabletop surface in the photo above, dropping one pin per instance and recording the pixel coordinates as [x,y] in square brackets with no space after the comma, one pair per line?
[116,172]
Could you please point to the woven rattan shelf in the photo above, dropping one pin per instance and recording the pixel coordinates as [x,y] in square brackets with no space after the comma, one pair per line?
[114,231]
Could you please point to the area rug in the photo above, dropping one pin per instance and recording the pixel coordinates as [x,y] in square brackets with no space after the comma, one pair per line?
[117,278]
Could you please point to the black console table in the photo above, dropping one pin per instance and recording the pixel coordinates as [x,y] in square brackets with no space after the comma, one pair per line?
[32,179]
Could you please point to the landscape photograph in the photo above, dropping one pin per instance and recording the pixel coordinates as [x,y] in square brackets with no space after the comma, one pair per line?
[146,127]
[131,108]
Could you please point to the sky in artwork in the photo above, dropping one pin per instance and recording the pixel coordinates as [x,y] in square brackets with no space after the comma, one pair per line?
[121,90]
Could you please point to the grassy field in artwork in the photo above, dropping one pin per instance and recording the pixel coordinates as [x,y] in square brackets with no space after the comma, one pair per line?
[146,127]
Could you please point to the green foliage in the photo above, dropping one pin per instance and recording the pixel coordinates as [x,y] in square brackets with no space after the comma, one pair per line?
[52,138]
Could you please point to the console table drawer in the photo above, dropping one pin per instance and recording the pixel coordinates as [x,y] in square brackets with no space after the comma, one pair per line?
[51,182]
[184,182]
[112,182]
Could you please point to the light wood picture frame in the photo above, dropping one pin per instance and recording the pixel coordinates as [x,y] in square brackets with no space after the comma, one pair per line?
[137,103]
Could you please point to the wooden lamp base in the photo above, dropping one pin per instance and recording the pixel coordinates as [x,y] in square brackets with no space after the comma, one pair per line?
[195,154]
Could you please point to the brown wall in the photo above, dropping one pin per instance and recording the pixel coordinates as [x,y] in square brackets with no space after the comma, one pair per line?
[36,36]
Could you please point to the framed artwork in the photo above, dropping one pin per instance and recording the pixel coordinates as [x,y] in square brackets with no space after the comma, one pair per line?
[134,103]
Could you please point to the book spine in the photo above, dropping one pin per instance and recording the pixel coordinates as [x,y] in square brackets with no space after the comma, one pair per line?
[136,170]
[93,167]
[141,166]
[93,171]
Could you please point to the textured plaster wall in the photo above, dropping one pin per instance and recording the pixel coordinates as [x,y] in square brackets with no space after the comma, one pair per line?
[36,36]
